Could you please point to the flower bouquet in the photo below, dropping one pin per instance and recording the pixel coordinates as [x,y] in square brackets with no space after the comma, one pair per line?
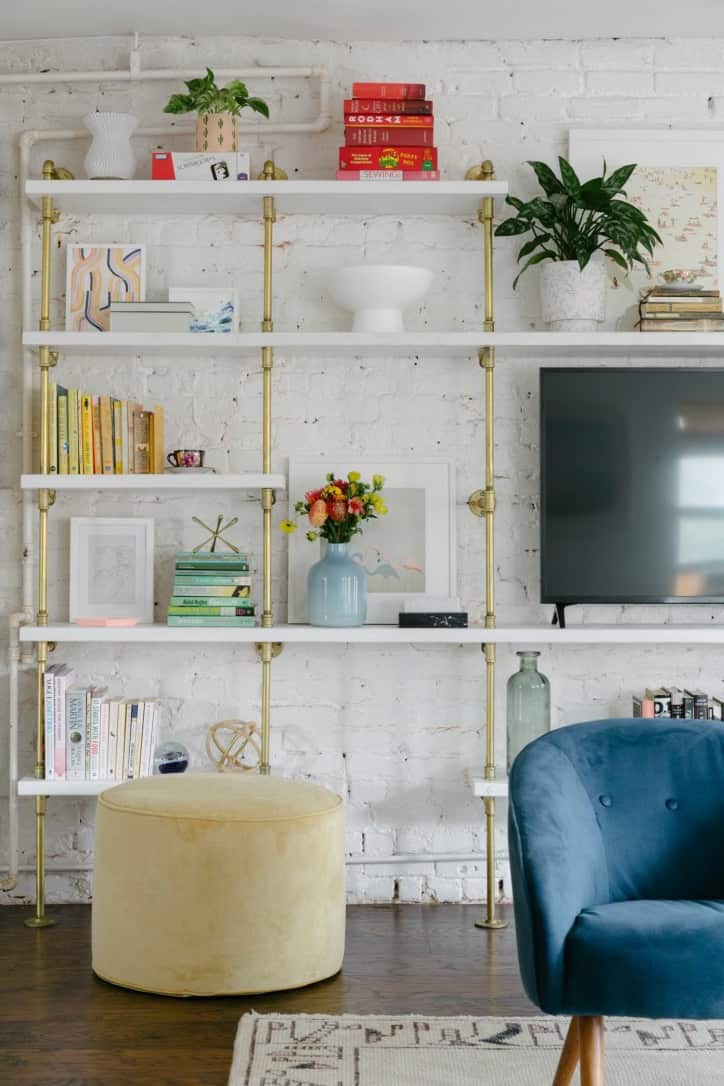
[337,585]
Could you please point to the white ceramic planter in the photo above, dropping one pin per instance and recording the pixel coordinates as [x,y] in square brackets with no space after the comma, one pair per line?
[377,294]
[573,300]
[111,156]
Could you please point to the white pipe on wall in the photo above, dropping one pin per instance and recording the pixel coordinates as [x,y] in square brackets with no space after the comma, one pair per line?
[14,622]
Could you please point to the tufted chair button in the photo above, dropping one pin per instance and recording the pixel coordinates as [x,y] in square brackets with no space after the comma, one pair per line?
[672,804]
[605,801]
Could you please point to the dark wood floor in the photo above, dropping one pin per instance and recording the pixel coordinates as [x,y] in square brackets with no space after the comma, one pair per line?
[61,1026]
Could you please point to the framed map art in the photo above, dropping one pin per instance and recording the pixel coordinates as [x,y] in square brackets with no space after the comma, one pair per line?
[679,185]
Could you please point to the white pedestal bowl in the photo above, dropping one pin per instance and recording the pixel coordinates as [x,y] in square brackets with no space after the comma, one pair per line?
[377,294]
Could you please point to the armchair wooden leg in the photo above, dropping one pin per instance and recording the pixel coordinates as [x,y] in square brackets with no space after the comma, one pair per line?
[570,1052]
[591,1042]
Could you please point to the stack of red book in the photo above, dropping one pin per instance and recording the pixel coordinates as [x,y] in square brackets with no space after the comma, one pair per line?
[388,134]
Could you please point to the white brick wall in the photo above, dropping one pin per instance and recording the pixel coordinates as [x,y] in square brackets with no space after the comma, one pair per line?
[397,730]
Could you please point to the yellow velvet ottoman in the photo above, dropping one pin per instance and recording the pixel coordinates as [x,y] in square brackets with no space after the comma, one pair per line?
[218,884]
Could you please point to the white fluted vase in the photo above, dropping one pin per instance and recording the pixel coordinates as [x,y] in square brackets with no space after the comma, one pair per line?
[111,156]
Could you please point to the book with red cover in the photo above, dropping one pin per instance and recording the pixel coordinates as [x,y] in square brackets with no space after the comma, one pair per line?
[388,158]
[380,137]
[405,106]
[388,175]
[388,90]
[387,120]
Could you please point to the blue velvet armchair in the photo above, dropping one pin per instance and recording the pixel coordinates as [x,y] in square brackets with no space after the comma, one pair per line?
[616,832]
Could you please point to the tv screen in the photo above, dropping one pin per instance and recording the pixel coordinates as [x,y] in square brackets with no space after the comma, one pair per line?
[632,485]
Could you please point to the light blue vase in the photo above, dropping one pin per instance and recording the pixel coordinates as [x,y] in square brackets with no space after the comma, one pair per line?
[337,589]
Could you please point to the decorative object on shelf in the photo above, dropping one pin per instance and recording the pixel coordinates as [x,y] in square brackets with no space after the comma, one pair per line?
[110,156]
[377,294]
[681,309]
[528,705]
[435,612]
[231,743]
[216,534]
[217,109]
[408,553]
[679,185]
[111,568]
[107,622]
[574,227]
[186,458]
[98,274]
[189,471]
[211,588]
[216,309]
[171,757]
[336,585]
[151,317]
[193,166]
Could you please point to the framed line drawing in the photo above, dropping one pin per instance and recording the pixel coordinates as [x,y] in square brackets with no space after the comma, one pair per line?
[111,568]
[679,185]
[98,274]
[409,552]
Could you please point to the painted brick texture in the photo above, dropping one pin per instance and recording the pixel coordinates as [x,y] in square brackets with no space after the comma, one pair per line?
[397,730]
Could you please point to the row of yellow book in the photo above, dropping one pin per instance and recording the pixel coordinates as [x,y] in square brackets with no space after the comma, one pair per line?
[100,435]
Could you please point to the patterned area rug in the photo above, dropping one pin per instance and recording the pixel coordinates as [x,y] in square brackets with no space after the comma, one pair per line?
[317,1050]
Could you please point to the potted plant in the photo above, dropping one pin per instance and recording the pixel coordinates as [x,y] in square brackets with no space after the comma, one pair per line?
[337,585]
[573,228]
[217,109]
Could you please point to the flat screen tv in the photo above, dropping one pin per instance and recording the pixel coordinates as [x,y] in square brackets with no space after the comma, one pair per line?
[632,485]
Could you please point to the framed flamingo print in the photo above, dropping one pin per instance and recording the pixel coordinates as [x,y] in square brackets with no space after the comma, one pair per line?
[98,274]
[409,552]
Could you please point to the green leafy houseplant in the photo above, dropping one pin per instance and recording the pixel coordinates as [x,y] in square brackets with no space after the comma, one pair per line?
[205,97]
[580,218]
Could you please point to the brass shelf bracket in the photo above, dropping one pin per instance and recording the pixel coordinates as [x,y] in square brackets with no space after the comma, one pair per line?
[272,172]
[276,648]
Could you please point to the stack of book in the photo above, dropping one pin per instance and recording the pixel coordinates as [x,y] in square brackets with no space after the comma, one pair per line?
[211,589]
[91,737]
[99,435]
[678,704]
[388,134]
[664,309]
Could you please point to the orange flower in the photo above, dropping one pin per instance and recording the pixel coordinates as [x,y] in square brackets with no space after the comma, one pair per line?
[317,513]
[338,510]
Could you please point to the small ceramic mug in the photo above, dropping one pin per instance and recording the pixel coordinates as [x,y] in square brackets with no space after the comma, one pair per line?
[186,458]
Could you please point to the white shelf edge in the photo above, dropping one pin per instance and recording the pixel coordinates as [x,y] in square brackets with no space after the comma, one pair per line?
[375,635]
[32,786]
[248,481]
[483,787]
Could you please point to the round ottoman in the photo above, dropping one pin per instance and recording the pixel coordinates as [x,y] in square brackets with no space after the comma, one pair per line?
[217,884]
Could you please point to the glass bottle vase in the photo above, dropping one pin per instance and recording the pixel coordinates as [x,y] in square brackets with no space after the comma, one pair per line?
[337,589]
[528,705]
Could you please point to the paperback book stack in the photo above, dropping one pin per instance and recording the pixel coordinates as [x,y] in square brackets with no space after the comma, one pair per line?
[99,435]
[388,134]
[211,589]
[92,737]
[665,309]
[678,704]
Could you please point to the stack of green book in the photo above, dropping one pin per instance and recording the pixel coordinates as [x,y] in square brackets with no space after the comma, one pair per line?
[211,589]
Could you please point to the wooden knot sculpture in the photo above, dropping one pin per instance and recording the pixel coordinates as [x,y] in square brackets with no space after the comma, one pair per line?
[233,746]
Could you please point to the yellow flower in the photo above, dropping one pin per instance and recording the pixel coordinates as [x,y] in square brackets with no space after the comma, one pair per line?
[287,526]
[354,477]
[378,481]
[382,509]
[311,536]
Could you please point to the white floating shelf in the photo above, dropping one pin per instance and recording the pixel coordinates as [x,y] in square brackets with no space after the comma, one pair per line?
[31,786]
[483,787]
[558,345]
[376,635]
[245,198]
[170,481]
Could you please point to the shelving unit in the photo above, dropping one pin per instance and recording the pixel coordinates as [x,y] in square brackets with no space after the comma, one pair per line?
[170,481]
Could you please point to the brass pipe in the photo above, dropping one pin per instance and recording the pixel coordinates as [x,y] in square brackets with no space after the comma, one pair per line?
[47,359]
[487,361]
[266,660]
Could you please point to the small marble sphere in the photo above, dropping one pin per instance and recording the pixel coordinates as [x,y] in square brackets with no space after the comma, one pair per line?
[170,757]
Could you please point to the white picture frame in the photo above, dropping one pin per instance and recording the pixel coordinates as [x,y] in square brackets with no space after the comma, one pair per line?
[689,152]
[429,492]
[111,568]
[208,304]
[94,278]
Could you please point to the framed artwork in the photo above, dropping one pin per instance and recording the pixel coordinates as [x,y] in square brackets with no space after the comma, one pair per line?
[679,185]
[408,553]
[111,568]
[97,275]
[216,309]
